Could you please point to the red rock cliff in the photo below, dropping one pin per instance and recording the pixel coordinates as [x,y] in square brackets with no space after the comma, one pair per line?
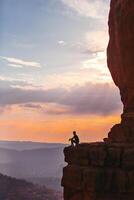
[99,171]
[120,54]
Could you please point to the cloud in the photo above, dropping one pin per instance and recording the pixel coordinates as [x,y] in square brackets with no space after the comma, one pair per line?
[32,105]
[14,65]
[7,83]
[97,62]
[15,62]
[96,41]
[88,8]
[101,99]
[48,108]
[62,42]
[92,42]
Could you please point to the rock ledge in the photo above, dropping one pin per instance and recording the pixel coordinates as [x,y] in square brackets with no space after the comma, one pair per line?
[100,170]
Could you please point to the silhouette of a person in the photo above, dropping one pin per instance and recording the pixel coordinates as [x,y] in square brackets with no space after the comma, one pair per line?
[75,139]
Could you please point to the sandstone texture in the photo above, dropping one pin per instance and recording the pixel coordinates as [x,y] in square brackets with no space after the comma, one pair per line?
[102,171]
[121,49]
[120,57]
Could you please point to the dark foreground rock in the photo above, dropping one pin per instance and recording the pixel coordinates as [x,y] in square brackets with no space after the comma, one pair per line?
[102,171]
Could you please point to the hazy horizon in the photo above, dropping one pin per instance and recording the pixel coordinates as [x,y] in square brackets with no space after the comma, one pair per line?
[30,141]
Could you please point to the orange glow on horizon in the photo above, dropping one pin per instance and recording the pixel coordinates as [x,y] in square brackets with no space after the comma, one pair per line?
[58,129]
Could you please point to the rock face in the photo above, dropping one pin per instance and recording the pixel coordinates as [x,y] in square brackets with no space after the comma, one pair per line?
[120,56]
[99,171]
[105,171]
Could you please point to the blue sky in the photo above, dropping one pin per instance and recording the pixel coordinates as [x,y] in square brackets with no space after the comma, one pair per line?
[52,33]
[53,60]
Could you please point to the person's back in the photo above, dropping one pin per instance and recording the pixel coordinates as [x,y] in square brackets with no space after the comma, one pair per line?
[75,139]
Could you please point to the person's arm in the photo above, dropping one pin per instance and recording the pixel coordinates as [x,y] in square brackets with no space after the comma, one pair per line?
[72,138]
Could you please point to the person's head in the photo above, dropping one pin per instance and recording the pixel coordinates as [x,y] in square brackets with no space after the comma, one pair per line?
[74,132]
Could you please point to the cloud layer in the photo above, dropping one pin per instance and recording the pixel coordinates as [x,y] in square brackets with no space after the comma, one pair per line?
[101,99]
[88,8]
[19,63]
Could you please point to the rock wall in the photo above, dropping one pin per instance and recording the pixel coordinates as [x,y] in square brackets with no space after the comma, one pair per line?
[120,54]
[102,171]
[120,57]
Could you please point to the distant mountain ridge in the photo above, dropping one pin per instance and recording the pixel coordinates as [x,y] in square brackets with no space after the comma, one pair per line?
[29,163]
[27,145]
[40,163]
[15,189]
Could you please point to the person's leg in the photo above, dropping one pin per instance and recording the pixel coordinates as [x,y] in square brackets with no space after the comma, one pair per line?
[72,142]
[76,144]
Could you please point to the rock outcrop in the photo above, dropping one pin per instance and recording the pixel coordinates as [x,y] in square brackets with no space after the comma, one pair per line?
[105,171]
[102,171]
[120,56]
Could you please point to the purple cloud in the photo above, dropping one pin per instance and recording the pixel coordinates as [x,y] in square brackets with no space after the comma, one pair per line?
[102,99]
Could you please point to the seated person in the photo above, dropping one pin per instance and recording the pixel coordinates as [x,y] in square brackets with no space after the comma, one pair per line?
[75,139]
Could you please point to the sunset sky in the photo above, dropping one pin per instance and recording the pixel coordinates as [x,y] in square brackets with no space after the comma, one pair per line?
[53,73]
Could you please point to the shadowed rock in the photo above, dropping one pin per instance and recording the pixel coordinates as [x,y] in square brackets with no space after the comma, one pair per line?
[101,171]
[120,57]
